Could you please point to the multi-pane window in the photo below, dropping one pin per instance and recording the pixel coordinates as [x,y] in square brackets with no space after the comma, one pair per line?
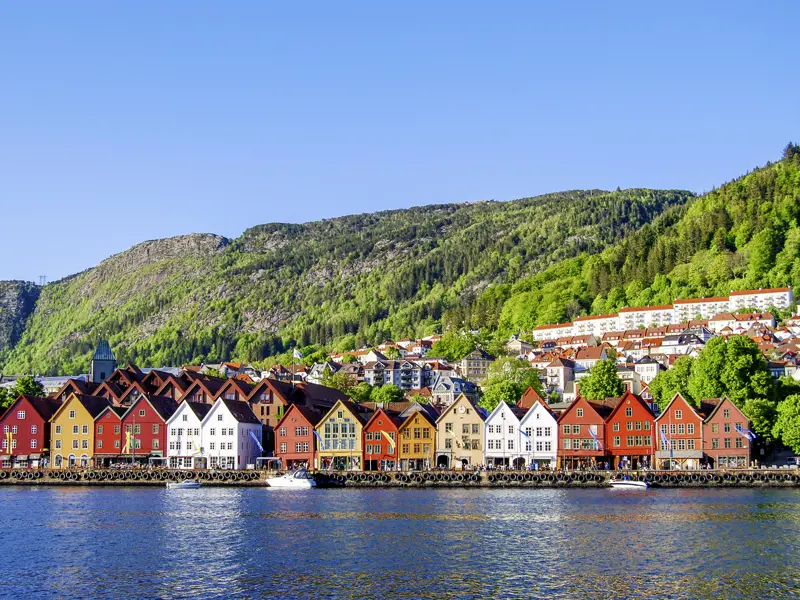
[628,411]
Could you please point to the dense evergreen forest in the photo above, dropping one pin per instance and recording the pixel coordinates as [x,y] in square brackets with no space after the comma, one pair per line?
[499,267]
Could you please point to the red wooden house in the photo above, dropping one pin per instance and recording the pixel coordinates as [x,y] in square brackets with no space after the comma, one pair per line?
[146,421]
[380,454]
[725,435]
[630,432]
[26,431]
[581,437]
[296,444]
[679,436]
[203,390]
[108,438]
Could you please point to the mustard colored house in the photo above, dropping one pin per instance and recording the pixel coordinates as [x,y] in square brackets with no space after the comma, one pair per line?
[417,442]
[72,431]
[340,448]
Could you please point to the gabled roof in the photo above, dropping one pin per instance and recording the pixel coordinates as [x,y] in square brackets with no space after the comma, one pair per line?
[78,386]
[596,407]
[94,405]
[501,407]
[394,419]
[590,353]
[117,411]
[529,398]
[44,407]
[241,411]
[407,419]
[710,406]
[478,410]
[309,414]
[163,405]
[209,386]
[762,291]
[627,395]
[352,408]
[689,404]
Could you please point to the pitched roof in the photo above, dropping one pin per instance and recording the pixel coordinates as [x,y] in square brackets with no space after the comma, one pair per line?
[309,414]
[529,398]
[646,308]
[590,353]
[241,411]
[702,300]
[94,405]
[200,409]
[103,351]
[763,291]
[44,407]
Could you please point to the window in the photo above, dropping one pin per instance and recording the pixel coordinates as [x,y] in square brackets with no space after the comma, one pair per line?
[74,430]
[72,414]
[20,414]
[155,428]
[681,429]
[58,444]
[405,448]
[85,429]
[547,431]
[58,429]
[219,417]
[281,431]
[417,433]
[99,430]
[727,442]
[690,428]
[628,411]
[137,429]
[726,414]
[715,428]
[448,443]
[368,435]
[566,428]
[727,427]
[690,444]
[185,418]
[213,445]
[297,432]
[576,429]
[155,444]
[74,444]
[629,441]
[99,444]
[568,443]
[678,415]
[511,430]
[579,413]
[426,434]
[448,427]
[34,443]
[616,426]
[475,428]
[298,447]
[715,443]
[629,425]
[672,428]
[739,442]
[616,440]
[465,429]
[510,444]
[142,413]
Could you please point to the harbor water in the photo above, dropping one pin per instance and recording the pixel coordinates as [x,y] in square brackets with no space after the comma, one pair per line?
[95,542]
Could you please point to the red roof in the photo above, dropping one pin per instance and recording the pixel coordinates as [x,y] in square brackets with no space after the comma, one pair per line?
[764,291]
[592,317]
[642,308]
[702,300]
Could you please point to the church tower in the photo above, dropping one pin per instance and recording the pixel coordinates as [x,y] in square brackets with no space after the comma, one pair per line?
[103,363]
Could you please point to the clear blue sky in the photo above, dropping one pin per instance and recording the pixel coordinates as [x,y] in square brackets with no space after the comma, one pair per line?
[122,122]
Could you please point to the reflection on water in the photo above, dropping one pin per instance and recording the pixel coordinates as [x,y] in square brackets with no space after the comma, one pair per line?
[212,542]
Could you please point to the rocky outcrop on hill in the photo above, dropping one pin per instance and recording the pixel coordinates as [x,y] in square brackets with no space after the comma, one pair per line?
[17,301]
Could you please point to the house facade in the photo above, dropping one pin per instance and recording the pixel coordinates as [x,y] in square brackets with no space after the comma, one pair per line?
[26,432]
[380,443]
[108,438]
[630,432]
[582,441]
[184,447]
[341,430]
[417,442]
[146,424]
[503,438]
[725,442]
[72,431]
[679,428]
[227,434]
[460,431]
[539,436]
[295,441]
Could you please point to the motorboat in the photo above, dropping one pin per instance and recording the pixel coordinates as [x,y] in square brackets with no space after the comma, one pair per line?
[299,480]
[626,483]
[186,484]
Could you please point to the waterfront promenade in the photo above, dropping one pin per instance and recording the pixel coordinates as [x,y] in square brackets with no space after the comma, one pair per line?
[787,478]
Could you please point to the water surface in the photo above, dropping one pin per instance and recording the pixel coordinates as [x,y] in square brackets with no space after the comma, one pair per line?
[244,542]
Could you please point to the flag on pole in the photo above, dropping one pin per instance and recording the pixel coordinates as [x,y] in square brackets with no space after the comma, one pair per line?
[664,441]
[321,441]
[256,440]
[9,441]
[297,354]
[388,437]
[745,433]
[525,435]
[127,448]
[597,444]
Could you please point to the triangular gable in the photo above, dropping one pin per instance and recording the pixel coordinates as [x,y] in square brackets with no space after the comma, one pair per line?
[462,397]
[499,409]
[529,398]
[396,421]
[580,402]
[628,395]
[726,401]
[677,395]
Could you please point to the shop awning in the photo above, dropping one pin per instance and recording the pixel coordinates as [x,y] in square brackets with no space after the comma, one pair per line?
[21,458]
[34,456]
[5,457]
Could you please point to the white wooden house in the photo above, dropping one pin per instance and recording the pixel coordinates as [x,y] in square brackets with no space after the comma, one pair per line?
[539,437]
[502,438]
[228,432]
[185,436]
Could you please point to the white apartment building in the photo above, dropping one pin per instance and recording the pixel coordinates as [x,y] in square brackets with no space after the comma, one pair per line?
[538,436]
[552,332]
[761,299]
[704,308]
[645,316]
[595,325]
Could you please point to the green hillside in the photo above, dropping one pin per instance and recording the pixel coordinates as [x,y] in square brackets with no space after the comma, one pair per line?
[343,282]
[744,235]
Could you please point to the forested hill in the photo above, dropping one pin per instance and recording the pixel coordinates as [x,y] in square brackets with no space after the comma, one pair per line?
[343,282]
[744,235]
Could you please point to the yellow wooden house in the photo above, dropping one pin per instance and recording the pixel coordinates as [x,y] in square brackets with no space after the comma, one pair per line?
[340,448]
[417,442]
[72,431]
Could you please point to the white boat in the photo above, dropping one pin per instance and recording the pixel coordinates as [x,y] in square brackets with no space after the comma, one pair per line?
[299,480]
[186,484]
[628,484]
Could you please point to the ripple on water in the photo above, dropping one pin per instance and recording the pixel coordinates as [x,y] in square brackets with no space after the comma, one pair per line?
[144,542]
